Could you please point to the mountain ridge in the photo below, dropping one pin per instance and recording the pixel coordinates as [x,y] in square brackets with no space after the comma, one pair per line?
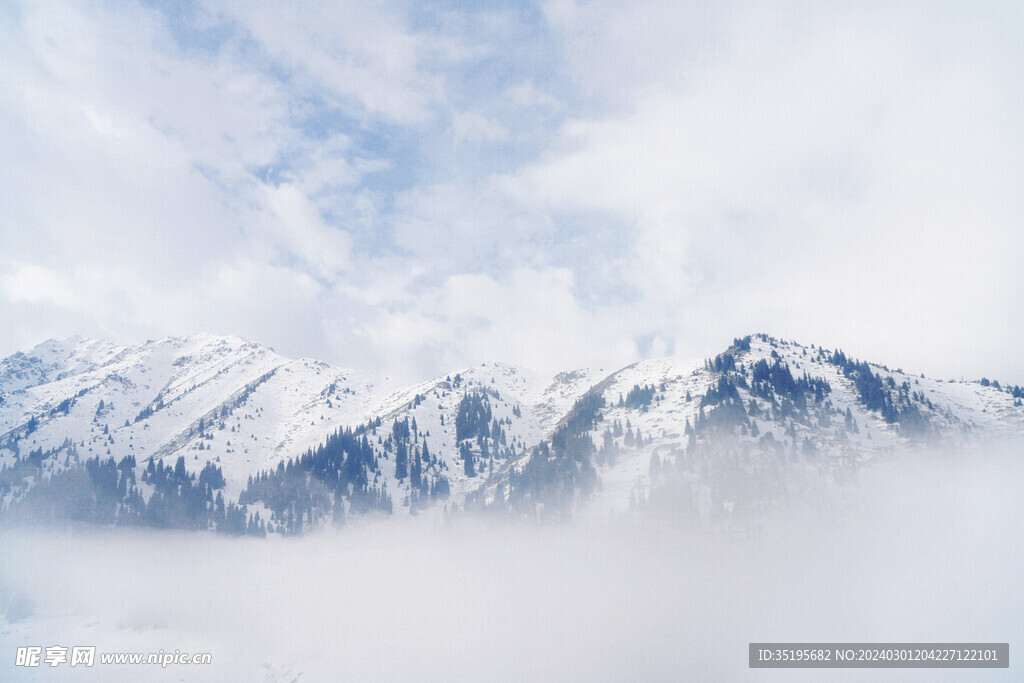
[488,436]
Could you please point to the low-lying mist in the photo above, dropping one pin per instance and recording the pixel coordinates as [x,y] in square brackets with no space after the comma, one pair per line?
[925,549]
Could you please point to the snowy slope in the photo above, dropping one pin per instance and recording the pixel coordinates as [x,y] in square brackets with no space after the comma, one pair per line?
[245,408]
[526,404]
[255,406]
[51,361]
[248,409]
[959,412]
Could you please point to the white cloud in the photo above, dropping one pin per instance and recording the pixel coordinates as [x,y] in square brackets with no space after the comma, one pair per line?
[33,284]
[415,189]
[129,195]
[847,178]
[469,126]
[529,317]
[358,52]
[526,94]
[297,223]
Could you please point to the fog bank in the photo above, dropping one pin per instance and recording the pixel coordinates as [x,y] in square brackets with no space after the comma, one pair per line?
[927,550]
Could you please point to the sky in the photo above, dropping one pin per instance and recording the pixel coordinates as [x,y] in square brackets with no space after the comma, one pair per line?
[410,187]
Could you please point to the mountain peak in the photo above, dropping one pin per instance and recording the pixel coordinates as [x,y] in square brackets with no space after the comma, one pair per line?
[489,434]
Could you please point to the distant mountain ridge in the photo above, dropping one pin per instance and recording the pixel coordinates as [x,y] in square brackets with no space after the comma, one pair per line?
[220,433]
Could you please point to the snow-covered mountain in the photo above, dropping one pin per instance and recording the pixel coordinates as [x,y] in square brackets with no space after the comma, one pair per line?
[169,398]
[767,417]
[167,430]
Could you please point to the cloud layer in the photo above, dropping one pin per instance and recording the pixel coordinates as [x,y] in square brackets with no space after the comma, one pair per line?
[415,188]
